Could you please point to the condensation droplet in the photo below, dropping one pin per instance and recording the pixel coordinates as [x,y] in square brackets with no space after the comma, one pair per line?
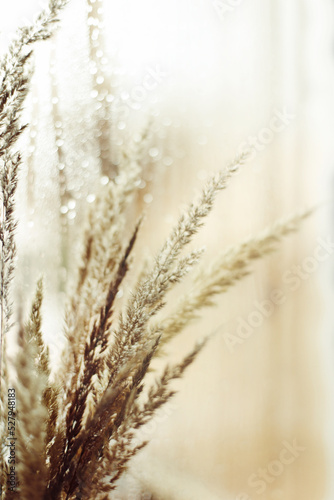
[125,95]
[119,179]
[116,160]
[102,95]
[153,152]
[136,105]
[104,180]
[95,35]
[90,198]
[71,215]
[154,112]
[167,161]
[148,198]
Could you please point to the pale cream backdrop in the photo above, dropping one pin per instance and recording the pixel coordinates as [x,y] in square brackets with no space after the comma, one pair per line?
[213,77]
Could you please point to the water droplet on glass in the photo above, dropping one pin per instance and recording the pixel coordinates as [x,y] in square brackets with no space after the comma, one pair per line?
[95,35]
[153,152]
[71,215]
[119,179]
[148,198]
[90,198]
[167,161]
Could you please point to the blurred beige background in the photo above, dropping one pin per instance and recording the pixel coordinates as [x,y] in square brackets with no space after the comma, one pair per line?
[215,78]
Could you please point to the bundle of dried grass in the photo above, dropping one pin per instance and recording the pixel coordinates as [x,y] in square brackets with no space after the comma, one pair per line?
[75,437]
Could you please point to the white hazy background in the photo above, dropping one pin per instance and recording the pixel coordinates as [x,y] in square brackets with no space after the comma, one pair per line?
[229,66]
